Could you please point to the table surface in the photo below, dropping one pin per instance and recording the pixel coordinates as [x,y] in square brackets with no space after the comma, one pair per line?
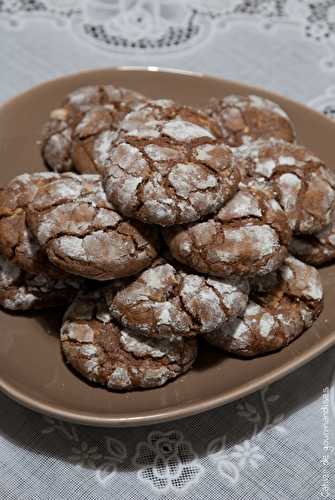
[276,444]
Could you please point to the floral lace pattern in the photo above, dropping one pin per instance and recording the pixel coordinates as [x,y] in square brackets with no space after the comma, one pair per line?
[168,25]
[231,461]
[167,462]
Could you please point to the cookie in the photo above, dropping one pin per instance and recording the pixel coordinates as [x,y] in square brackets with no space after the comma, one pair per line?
[74,136]
[164,300]
[22,291]
[83,234]
[315,249]
[247,237]
[170,172]
[103,353]
[244,119]
[147,113]
[304,186]
[282,305]
[16,240]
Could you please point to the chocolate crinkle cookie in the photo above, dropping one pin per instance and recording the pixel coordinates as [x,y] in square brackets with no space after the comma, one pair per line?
[76,132]
[83,234]
[22,291]
[108,355]
[304,186]
[170,171]
[165,109]
[247,237]
[244,119]
[282,305]
[17,242]
[315,249]
[165,300]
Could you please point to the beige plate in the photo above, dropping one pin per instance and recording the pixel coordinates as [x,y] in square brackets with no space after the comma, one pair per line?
[32,369]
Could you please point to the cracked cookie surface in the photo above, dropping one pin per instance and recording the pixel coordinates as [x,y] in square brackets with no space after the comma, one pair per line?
[108,355]
[22,291]
[315,249]
[165,301]
[76,133]
[282,305]
[170,171]
[17,242]
[304,186]
[244,119]
[83,234]
[247,237]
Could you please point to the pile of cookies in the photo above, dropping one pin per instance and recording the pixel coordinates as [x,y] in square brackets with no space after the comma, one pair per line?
[160,224]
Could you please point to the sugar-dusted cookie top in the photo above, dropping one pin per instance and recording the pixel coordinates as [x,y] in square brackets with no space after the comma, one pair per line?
[169,170]
[108,355]
[73,137]
[22,291]
[282,305]
[244,119]
[17,242]
[247,237]
[164,300]
[83,234]
[315,249]
[304,186]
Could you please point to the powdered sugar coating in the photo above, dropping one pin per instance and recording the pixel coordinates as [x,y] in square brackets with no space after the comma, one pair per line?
[17,242]
[169,171]
[83,234]
[248,236]
[119,359]
[282,305]
[244,119]
[164,301]
[79,133]
[304,186]
[316,249]
[22,291]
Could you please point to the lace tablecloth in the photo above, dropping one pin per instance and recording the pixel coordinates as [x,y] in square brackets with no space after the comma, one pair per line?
[276,444]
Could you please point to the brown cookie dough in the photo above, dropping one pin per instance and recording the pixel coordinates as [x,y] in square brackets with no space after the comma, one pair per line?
[165,301]
[170,172]
[82,233]
[16,240]
[76,133]
[248,236]
[22,291]
[304,186]
[103,353]
[244,119]
[315,249]
[282,305]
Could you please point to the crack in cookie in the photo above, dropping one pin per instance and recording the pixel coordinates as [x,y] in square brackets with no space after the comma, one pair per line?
[169,170]
[247,237]
[22,291]
[83,234]
[244,119]
[282,305]
[304,186]
[108,355]
[74,135]
[165,300]
[17,242]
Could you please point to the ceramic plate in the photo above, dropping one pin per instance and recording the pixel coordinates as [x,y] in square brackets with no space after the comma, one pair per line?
[32,369]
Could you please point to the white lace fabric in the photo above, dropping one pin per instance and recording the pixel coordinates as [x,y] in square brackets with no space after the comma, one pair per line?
[276,444]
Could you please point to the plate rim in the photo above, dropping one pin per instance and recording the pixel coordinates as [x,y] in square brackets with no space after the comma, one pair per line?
[191,408]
